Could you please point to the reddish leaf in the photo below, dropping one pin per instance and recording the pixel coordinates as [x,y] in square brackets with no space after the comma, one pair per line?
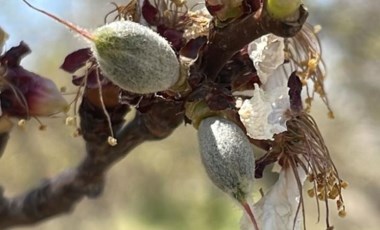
[30,94]
[295,88]
[220,99]
[26,93]
[149,12]
[245,82]
[192,47]
[174,36]
[76,60]
[256,4]
[14,55]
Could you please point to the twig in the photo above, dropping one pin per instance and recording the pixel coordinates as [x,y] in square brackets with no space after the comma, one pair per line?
[225,42]
[59,195]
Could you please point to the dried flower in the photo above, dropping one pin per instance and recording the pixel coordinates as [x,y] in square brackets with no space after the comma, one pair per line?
[302,146]
[304,53]
[25,93]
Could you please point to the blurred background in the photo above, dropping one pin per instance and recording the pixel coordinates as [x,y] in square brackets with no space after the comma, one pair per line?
[162,185]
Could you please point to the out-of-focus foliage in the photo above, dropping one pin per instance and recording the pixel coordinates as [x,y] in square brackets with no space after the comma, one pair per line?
[162,185]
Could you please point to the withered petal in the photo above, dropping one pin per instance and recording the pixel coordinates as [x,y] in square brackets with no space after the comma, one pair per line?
[29,94]
[175,37]
[13,56]
[76,60]
[149,12]
[295,88]
[192,47]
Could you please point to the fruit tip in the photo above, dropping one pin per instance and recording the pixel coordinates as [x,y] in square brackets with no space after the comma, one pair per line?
[249,212]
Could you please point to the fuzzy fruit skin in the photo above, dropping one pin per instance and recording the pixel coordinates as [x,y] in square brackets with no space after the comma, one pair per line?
[135,58]
[227,156]
[281,9]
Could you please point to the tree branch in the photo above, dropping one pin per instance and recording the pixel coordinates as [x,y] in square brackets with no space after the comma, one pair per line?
[59,195]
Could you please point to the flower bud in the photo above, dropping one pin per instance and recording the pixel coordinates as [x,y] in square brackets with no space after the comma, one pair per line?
[227,156]
[135,58]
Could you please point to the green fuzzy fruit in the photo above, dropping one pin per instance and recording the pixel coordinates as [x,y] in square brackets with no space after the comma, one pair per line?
[282,9]
[134,57]
[227,156]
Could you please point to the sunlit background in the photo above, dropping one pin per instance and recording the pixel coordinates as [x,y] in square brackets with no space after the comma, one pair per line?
[162,185]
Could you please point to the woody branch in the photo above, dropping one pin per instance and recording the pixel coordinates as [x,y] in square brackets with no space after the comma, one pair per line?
[60,194]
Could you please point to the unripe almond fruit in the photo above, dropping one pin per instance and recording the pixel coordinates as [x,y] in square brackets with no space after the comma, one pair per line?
[132,56]
[227,156]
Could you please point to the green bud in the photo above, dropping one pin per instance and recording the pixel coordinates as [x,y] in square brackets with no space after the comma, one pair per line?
[134,57]
[227,156]
[282,9]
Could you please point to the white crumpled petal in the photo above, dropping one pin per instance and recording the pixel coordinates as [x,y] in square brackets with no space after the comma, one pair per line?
[266,53]
[277,209]
[265,113]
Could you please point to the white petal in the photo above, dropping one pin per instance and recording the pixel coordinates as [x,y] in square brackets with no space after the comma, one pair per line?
[266,53]
[277,209]
[265,113]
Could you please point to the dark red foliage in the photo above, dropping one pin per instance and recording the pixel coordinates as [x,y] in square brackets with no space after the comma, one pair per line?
[171,34]
[245,82]
[255,4]
[175,37]
[76,60]
[295,88]
[23,92]
[25,83]
[239,72]
[215,96]
[220,99]
[14,55]
[192,47]
[149,13]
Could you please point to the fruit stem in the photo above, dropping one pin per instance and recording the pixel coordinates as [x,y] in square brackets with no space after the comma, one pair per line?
[82,32]
[248,209]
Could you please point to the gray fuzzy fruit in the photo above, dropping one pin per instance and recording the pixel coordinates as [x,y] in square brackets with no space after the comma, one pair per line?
[134,57]
[227,156]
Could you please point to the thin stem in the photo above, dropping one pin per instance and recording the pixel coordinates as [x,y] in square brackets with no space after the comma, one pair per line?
[80,31]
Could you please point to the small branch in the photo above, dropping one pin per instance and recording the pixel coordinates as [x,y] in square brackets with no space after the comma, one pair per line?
[59,195]
[225,42]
